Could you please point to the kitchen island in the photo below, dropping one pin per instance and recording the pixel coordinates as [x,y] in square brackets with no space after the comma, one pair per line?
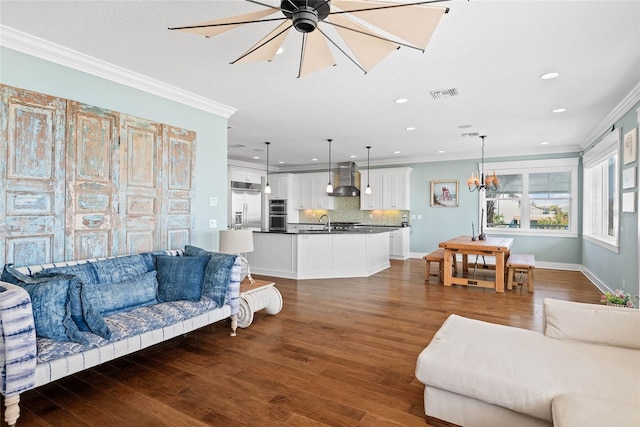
[319,254]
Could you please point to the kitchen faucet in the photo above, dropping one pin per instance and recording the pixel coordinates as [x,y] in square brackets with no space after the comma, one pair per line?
[328,221]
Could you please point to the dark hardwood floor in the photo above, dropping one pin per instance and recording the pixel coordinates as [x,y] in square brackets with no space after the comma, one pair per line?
[342,352]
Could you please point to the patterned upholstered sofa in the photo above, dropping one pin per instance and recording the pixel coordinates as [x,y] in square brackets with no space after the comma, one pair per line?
[62,318]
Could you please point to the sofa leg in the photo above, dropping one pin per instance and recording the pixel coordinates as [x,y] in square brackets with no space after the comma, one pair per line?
[12,409]
[234,324]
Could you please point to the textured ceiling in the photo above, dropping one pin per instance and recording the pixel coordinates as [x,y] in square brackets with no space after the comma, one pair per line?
[492,52]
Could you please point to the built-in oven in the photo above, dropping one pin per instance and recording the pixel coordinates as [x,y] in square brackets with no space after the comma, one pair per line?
[278,215]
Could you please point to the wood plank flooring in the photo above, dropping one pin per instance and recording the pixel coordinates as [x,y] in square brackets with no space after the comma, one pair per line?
[342,352]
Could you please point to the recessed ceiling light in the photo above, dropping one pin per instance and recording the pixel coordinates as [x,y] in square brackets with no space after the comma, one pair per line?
[464,126]
[281,162]
[401,100]
[314,160]
[256,157]
[559,110]
[549,76]
[396,152]
[411,128]
[544,143]
[353,156]
[279,51]
[441,151]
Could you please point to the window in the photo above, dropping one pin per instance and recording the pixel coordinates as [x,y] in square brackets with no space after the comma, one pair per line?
[600,213]
[537,197]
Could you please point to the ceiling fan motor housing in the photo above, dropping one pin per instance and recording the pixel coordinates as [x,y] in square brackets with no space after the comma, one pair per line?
[305,14]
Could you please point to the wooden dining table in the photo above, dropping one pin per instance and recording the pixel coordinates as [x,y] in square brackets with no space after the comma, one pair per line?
[498,247]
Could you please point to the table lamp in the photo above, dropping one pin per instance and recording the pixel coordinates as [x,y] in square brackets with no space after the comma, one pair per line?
[238,242]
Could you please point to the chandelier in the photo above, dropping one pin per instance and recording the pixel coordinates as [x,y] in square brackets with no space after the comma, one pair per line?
[478,181]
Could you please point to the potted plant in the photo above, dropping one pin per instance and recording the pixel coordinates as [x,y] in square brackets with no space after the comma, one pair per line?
[617,298]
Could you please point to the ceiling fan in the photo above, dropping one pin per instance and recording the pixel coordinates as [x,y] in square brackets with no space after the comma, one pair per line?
[412,23]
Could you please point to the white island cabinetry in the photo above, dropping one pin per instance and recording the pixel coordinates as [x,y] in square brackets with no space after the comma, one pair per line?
[319,256]
[399,243]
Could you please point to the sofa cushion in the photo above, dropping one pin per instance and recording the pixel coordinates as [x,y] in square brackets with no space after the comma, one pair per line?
[217,275]
[575,410]
[593,323]
[87,274]
[50,303]
[109,298]
[523,370]
[180,278]
[119,269]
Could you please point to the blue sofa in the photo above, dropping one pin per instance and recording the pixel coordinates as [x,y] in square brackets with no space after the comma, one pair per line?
[62,318]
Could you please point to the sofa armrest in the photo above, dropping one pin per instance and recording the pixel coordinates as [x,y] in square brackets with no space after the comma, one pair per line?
[593,323]
[233,289]
[18,346]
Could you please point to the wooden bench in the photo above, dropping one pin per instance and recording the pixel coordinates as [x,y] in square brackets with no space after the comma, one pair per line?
[436,256]
[520,263]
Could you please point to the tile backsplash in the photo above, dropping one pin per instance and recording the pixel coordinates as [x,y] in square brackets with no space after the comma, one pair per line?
[347,209]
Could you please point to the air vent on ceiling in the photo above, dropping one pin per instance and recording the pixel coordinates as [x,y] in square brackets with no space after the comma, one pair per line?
[445,93]
[470,134]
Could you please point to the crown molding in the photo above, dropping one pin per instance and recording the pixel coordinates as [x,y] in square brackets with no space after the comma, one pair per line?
[626,104]
[43,49]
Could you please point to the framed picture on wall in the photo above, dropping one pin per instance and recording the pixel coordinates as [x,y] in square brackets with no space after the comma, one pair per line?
[629,202]
[630,146]
[629,178]
[444,193]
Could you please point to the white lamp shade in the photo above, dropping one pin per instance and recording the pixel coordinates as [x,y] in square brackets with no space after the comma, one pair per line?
[236,241]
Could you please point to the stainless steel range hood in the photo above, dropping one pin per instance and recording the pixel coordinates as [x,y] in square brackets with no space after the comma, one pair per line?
[346,181]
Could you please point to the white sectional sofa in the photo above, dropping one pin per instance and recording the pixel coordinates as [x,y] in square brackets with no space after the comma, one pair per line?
[584,370]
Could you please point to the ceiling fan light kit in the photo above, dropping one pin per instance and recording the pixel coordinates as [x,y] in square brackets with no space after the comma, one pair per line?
[412,23]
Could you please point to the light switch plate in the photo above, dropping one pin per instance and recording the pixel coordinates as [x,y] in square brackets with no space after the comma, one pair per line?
[213,223]
[213,201]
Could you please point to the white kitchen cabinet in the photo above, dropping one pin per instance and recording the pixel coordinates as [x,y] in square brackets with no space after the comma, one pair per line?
[244,175]
[395,190]
[301,191]
[281,186]
[373,201]
[399,243]
[390,190]
[319,197]
[309,191]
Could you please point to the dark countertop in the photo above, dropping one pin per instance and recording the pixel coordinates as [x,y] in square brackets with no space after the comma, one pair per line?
[356,230]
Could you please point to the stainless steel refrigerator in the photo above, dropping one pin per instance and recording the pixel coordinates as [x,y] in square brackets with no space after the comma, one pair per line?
[246,205]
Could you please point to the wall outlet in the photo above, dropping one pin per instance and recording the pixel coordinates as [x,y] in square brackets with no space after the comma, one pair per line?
[413,216]
[213,223]
[370,216]
[213,201]
[624,284]
[419,216]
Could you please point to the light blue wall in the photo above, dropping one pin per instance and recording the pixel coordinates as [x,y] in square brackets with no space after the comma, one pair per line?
[27,72]
[439,223]
[611,268]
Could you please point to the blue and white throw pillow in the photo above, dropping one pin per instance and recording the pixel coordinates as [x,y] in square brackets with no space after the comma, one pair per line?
[50,296]
[180,278]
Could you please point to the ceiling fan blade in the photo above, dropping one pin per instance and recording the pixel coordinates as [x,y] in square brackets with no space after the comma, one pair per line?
[368,47]
[413,23]
[219,26]
[267,47]
[316,54]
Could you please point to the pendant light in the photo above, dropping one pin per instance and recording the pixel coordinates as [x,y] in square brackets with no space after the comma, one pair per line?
[479,182]
[329,186]
[368,189]
[267,188]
